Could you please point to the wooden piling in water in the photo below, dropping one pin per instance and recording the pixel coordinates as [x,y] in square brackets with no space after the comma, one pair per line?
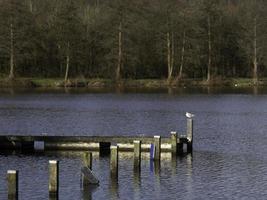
[174,142]
[189,134]
[88,160]
[137,155]
[53,178]
[157,144]
[114,160]
[12,184]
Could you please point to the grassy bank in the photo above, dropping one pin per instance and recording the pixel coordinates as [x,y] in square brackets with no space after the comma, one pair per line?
[130,83]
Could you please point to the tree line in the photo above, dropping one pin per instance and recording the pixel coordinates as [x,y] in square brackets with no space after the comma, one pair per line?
[120,39]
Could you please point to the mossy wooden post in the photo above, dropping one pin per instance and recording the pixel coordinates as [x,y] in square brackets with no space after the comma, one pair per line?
[88,160]
[189,134]
[114,161]
[174,142]
[137,155]
[53,178]
[12,184]
[157,143]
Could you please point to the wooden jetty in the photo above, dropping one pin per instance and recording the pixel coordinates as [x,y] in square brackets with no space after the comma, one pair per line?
[42,142]
[91,143]
[111,144]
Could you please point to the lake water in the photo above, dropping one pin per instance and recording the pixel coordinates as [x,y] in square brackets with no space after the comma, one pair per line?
[230,142]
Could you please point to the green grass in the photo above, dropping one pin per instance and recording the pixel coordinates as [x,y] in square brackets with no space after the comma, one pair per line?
[242,82]
[46,82]
[57,82]
[148,83]
[247,82]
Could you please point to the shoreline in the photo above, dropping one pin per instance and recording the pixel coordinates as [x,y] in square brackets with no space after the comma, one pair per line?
[126,83]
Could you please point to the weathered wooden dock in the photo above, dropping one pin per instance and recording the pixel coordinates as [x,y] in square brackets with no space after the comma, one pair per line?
[91,143]
[45,142]
[97,143]
[111,144]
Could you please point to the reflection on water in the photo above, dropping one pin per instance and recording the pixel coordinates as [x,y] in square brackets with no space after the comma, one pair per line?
[229,159]
[210,172]
[122,90]
[155,167]
[137,181]
[53,197]
[87,192]
[174,164]
[114,186]
[189,162]
[255,90]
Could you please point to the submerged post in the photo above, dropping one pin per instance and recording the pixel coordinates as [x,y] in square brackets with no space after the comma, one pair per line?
[157,144]
[12,184]
[53,178]
[114,160]
[137,155]
[88,160]
[174,142]
[190,134]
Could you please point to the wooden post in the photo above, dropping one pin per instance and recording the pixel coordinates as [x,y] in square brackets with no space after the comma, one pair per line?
[190,134]
[157,144]
[114,160]
[174,142]
[53,178]
[12,184]
[88,160]
[137,155]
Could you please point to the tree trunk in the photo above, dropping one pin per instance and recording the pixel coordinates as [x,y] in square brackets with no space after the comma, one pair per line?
[119,66]
[31,6]
[182,59]
[255,63]
[11,72]
[172,50]
[67,63]
[209,54]
[169,57]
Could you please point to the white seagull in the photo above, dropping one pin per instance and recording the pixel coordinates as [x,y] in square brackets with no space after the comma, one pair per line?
[189,115]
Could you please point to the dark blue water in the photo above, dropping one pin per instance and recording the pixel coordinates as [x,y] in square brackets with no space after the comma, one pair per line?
[230,143]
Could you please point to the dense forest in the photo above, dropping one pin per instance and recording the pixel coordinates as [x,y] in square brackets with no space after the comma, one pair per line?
[133,39]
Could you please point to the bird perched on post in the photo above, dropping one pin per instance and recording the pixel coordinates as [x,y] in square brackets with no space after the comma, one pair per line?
[189,115]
